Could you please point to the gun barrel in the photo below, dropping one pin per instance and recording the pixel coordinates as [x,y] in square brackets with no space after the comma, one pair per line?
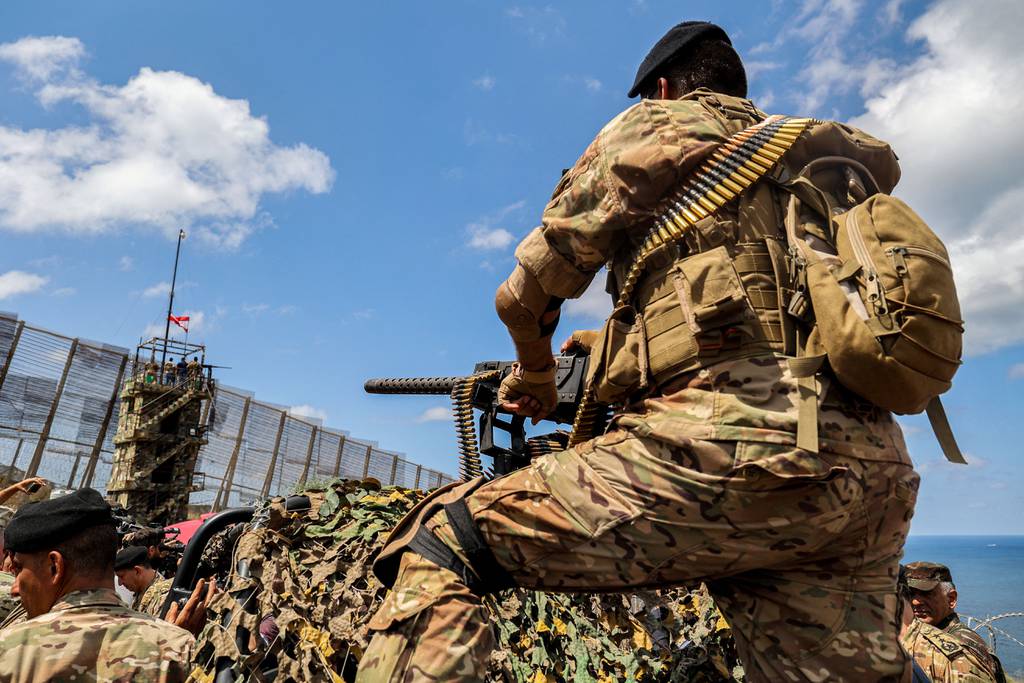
[411,385]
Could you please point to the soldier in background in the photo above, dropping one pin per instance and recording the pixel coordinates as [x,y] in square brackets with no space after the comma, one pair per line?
[11,611]
[934,598]
[152,369]
[63,558]
[181,369]
[136,573]
[942,656]
[169,371]
[195,370]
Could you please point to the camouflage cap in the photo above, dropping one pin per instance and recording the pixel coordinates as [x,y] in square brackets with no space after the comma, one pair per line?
[925,576]
[677,38]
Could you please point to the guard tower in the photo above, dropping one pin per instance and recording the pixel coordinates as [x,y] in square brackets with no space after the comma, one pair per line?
[161,426]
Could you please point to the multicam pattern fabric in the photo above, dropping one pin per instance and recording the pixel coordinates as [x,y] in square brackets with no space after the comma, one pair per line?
[7,601]
[151,600]
[92,636]
[618,182]
[800,551]
[945,658]
[962,631]
[705,483]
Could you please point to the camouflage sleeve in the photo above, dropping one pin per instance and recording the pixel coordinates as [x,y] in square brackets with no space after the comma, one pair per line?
[617,185]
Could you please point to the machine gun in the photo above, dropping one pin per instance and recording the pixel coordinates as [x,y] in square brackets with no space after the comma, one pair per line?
[480,391]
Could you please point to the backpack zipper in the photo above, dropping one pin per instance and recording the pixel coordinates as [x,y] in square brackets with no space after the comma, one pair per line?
[876,293]
[898,254]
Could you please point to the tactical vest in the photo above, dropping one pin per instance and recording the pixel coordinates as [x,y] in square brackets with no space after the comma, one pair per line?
[818,227]
[719,296]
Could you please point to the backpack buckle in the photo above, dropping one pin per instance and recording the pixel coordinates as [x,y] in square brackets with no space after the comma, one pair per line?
[798,305]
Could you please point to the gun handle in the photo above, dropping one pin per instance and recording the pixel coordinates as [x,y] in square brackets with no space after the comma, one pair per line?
[505,459]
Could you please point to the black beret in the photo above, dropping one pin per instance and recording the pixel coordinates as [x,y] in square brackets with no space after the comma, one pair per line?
[678,37]
[42,525]
[132,556]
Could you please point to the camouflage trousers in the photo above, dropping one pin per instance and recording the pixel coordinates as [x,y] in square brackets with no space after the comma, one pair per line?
[801,559]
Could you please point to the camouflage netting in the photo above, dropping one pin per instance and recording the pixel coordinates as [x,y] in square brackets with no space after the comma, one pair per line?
[310,571]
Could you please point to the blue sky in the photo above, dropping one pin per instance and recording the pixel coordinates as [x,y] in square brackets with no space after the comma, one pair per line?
[354,178]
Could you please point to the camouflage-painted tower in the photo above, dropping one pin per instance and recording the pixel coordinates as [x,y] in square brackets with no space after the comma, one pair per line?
[161,426]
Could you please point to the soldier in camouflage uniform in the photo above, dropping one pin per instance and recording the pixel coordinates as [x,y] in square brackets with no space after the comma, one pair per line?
[136,573]
[78,629]
[8,603]
[700,478]
[934,598]
[942,656]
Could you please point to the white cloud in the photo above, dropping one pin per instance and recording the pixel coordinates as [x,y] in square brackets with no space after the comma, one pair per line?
[592,84]
[126,264]
[160,152]
[756,68]
[1016,371]
[485,82]
[435,414]
[891,12]
[594,304]
[308,411]
[489,238]
[765,100]
[254,309]
[65,291]
[41,58]
[160,289]
[15,282]
[539,23]
[485,234]
[961,154]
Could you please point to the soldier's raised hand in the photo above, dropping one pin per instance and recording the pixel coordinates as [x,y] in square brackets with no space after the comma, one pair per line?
[192,617]
[528,393]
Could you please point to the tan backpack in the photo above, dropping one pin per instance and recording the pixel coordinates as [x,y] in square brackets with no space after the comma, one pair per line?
[873,282]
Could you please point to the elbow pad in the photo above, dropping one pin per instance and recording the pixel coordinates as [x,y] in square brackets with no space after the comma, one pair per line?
[525,307]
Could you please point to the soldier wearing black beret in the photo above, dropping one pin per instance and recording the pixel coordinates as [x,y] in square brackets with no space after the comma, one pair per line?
[704,476]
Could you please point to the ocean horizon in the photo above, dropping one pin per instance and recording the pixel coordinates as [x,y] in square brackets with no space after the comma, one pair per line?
[988,571]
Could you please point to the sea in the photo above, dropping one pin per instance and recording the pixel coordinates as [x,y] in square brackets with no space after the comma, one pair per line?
[989,575]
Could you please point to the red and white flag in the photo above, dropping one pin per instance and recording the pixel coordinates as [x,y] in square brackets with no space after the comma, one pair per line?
[179,320]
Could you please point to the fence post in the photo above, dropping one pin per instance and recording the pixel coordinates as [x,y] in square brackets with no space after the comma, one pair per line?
[273,458]
[337,463]
[94,456]
[229,473]
[366,464]
[416,484]
[10,353]
[394,470]
[309,455]
[37,457]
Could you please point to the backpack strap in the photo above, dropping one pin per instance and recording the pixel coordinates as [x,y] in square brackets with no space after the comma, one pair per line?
[943,432]
[804,367]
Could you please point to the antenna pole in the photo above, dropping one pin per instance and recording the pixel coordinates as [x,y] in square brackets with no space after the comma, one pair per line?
[170,302]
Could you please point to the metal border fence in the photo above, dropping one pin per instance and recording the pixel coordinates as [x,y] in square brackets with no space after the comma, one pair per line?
[58,407]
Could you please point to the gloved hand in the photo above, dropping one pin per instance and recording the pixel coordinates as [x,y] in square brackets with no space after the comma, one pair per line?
[530,394]
[581,340]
